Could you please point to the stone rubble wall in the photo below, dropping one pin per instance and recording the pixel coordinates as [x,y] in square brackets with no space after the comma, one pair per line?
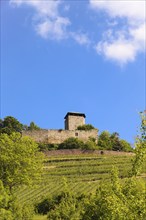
[38,135]
[58,136]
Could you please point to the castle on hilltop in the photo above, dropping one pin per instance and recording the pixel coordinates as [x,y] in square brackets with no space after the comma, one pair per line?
[72,121]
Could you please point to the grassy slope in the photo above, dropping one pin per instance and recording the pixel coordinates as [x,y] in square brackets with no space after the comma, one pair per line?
[82,173]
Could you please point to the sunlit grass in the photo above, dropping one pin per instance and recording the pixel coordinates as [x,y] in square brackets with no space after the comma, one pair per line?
[82,173]
[40,217]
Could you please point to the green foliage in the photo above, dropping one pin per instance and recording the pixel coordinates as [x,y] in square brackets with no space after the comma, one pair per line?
[33,126]
[10,209]
[10,125]
[71,143]
[45,147]
[83,172]
[86,127]
[45,205]
[5,213]
[90,145]
[75,143]
[66,210]
[140,147]
[20,161]
[115,142]
[107,141]
[21,211]
[40,217]
[104,141]
[125,146]
[117,201]
[67,205]
[114,200]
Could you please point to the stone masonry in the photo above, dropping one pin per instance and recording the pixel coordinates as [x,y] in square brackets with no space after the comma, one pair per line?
[72,121]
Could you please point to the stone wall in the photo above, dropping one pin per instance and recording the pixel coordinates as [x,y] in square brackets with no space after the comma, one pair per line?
[74,121]
[38,135]
[58,136]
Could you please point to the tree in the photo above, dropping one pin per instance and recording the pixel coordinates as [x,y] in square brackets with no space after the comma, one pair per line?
[125,146]
[140,147]
[104,141]
[10,125]
[115,142]
[33,126]
[20,161]
[117,200]
[11,209]
[67,205]
[90,145]
[107,141]
[5,212]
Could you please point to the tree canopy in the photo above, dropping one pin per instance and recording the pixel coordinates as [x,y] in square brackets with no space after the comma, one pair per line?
[107,141]
[10,125]
[20,161]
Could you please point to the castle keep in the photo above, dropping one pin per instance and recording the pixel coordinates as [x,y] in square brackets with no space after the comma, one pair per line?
[72,121]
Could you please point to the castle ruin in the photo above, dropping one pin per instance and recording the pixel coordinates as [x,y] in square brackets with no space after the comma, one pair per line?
[72,121]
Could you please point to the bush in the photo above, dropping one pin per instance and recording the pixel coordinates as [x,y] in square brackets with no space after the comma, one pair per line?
[44,146]
[45,206]
[117,200]
[86,127]
[51,203]
[33,126]
[90,145]
[71,143]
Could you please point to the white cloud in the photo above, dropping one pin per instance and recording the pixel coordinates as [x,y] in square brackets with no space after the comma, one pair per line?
[118,45]
[120,51]
[139,33]
[48,21]
[119,8]
[53,29]
[80,38]
[125,33]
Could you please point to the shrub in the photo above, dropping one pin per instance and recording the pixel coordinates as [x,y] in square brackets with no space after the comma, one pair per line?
[33,126]
[117,200]
[86,127]
[90,145]
[45,206]
[71,143]
[44,146]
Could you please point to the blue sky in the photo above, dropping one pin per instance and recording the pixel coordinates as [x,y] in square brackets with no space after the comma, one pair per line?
[83,56]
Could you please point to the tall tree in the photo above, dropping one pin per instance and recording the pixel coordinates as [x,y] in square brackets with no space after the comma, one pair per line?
[115,141]
[104,141]
[20,161]
[10,125]
[140,147]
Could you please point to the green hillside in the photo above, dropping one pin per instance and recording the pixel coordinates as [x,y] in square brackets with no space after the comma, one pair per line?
[82,173]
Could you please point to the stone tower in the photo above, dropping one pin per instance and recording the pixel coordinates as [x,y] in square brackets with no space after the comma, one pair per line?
[73,120]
